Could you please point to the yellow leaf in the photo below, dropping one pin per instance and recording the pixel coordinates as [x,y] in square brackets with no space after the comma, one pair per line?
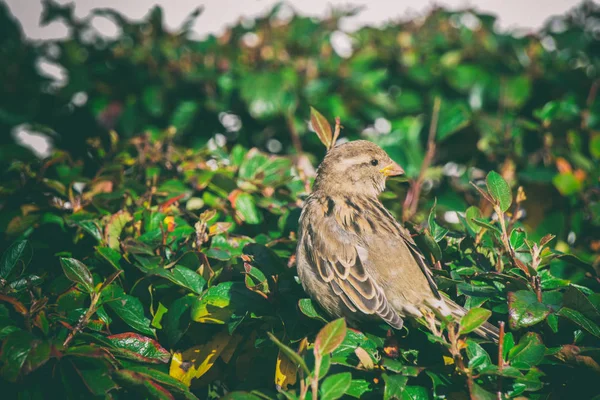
[197,360]
[448,360]
[285,372]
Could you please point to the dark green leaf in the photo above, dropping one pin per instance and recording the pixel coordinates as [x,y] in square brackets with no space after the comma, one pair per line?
[77,272]
[525,309]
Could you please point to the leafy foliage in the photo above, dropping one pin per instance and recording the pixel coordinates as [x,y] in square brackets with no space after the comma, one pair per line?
[152,254]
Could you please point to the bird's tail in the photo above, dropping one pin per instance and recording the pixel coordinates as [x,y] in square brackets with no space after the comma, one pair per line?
[486,330]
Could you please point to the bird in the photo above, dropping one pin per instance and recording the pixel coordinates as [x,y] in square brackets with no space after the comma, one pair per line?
[353,257]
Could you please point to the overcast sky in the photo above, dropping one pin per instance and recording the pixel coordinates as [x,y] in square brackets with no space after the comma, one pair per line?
[525,14]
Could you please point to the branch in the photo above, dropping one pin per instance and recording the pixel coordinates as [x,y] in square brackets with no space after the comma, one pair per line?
[414,192]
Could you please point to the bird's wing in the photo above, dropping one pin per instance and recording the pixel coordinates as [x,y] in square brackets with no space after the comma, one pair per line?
[339,261]
[420,259]
[389,236]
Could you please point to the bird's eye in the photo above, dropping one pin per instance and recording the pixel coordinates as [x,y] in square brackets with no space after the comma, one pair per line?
[374,162]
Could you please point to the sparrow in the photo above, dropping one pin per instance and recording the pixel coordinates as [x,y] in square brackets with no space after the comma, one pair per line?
[353,257]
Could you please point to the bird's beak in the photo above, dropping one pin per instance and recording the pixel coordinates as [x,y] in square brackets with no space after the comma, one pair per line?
[392,169]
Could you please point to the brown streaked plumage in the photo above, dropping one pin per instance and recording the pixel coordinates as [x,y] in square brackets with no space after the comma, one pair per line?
[353,257]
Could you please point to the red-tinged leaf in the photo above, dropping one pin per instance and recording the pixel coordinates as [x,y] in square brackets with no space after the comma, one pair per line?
[321,127]
[17,305]
[164,206]
[330,337]
[546,239]
[140,348]
[143,382]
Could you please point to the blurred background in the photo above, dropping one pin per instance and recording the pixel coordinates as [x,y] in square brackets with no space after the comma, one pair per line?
[517,82]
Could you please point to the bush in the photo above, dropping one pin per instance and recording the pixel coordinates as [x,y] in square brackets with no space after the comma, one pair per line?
[152,254]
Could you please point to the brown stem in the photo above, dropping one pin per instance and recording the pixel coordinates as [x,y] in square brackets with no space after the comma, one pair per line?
[500,357]
[412,197]
[293,133]
[83,321]
[453,338]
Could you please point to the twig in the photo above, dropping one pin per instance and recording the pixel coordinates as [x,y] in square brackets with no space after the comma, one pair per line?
[83,320]
[293,133]
[315,378]
[500,358]
[412,197]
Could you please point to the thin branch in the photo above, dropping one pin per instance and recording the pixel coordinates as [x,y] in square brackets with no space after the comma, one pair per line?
[293,133]
[500,358]
[315,378]
[412,197]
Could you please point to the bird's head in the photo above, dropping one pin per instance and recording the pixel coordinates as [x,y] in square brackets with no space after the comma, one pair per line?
[358,167]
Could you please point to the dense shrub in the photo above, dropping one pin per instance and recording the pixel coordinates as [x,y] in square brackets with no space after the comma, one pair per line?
[152,254]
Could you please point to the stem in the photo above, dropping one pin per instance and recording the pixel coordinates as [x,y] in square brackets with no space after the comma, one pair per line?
[315,379]
[458,359]
[412,197]
[293,133]
[500,358]
[83,321]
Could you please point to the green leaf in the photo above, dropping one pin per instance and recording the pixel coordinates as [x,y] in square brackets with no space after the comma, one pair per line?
[177,319]
[515,91]
[359,387]
[183,277]
[528,353]
[307,308]
[15,349]
[567,184]
[131,310]
[246,209]
[478,357]
[473,319]
[164,379]
[452,118]
[517,238]
[335,386]
[524,309]
[291,354]
[479,393]
[499,190]
[321,126]
[595,146]
[12,256]
[184,115]
[114,228]
[580,319]
[437,231]
[77,272]
[394,386]
[471,214]
[139,348]
[112,256]
[330,337]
